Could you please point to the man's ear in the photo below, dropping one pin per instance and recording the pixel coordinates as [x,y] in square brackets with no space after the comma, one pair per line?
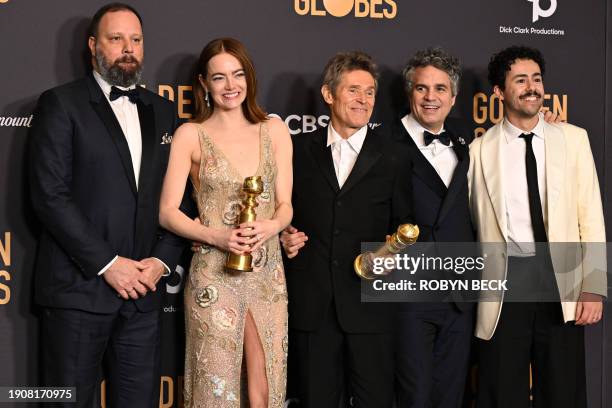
[327,94]
[500,94]
[91,43]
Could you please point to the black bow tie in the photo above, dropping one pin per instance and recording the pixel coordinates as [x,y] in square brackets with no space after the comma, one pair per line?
[443,137]
[132,94]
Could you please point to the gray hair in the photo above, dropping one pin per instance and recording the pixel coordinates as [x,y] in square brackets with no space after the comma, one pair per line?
[437,58]
[346,62]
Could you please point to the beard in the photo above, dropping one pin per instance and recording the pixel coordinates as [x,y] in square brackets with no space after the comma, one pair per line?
[117,75]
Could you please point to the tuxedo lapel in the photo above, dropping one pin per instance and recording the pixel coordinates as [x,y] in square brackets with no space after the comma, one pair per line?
[459,178]
[461,150]
[323,157]
[148,135]
[493,173]
[370,152]
[421,166]
[100,105]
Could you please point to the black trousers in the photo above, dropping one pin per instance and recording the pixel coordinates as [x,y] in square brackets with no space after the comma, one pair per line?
[433,351]
[532,333]
[329,364]
[75,344]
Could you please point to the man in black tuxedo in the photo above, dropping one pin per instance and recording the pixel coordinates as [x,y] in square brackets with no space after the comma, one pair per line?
[350,187]
[433,339]
[99,150]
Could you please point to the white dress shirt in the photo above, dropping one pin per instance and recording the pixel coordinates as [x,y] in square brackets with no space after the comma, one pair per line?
[345,151]
[516,194]
[441,157]
[126,113]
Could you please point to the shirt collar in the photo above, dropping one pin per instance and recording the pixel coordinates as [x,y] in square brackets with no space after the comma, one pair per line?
[355,140]
[512,132]
[105,86]
[416,130]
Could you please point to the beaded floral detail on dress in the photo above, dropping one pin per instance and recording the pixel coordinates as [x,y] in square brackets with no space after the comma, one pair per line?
[217,302]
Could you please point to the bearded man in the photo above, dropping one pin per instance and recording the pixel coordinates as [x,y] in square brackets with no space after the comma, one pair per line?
[99,150]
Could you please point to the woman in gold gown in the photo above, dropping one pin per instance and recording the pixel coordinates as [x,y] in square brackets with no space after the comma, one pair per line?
[236,323]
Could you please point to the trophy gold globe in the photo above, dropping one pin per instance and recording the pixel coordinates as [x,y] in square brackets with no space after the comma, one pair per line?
[252,187]
[406,234]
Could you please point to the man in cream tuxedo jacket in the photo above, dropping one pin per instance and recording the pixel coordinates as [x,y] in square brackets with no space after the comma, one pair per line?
[514,161]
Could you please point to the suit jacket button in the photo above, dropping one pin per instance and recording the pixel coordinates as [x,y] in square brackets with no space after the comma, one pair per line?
[339,203]
[335,262]
[336,232]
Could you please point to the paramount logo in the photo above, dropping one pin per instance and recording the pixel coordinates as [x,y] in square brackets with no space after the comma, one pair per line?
[16,121]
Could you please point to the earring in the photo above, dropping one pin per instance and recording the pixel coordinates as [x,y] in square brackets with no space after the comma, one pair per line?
[207,100]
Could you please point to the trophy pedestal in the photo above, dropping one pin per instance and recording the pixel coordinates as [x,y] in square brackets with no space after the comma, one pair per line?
[239,263]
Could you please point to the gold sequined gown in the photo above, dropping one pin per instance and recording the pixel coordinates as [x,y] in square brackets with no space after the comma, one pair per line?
[216,302]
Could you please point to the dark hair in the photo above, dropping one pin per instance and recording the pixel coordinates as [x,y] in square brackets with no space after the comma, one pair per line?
[346,62]
[109,8]
[252,111]
[501,62]
[437,58]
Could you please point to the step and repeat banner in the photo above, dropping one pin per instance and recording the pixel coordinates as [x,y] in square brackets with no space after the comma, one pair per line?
[43,44]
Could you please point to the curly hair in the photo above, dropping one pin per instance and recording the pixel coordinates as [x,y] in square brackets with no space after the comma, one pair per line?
[346,62]
[501,62]
[436,57]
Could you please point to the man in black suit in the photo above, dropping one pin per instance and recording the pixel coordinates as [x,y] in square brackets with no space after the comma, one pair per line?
[349,187]
[99,150]
[433,339]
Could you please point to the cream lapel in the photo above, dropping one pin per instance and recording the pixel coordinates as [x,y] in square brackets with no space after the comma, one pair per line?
[493,171]
[554,142]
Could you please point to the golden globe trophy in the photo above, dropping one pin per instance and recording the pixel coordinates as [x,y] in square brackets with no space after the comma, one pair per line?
[406,234]
[252,187]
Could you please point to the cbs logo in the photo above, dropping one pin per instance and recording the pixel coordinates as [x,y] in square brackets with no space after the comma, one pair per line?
[341,8]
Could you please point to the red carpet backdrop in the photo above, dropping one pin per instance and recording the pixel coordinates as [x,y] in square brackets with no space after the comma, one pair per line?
[42,44]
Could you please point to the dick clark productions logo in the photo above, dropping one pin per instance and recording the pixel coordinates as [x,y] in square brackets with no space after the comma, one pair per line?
[539,12]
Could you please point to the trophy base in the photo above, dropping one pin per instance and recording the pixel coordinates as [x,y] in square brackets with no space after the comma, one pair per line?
[361,271]
[236,270]
[239,263]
